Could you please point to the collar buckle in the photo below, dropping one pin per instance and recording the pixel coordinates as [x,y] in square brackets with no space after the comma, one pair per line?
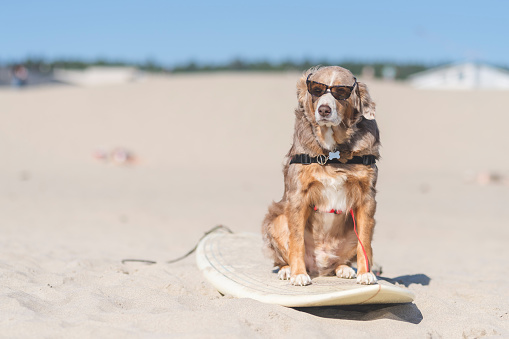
[306,159]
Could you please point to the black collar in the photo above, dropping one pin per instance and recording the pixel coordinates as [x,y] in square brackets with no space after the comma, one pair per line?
[333,158]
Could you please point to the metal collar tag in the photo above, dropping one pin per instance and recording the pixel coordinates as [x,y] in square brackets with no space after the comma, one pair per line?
[334,155]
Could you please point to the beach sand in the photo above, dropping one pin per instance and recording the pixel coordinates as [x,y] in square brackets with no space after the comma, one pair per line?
[208,150]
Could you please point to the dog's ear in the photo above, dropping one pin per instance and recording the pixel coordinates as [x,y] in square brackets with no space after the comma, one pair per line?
[302,88]
[364,104]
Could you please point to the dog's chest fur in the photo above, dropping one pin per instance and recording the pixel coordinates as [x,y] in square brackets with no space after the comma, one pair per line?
[333,194]
[329,241]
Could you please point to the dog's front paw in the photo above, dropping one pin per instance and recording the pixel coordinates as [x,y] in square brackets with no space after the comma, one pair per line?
[284,273]
[345,272]
[300,280]
[366,279]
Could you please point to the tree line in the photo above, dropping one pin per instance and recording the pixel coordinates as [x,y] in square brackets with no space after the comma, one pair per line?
[400,70]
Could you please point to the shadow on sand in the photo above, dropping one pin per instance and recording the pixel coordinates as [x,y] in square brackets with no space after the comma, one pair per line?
[407,280]
[402,312]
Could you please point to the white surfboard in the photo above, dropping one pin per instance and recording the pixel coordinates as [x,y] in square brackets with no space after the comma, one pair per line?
[235,265]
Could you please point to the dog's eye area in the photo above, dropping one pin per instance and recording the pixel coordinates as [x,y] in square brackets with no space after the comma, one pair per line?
[316,89]
[341,92]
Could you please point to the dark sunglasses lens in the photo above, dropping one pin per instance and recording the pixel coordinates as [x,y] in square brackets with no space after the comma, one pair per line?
[316,89]
[341,93]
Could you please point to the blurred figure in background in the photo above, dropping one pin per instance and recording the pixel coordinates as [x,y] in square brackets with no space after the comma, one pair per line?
[19,76]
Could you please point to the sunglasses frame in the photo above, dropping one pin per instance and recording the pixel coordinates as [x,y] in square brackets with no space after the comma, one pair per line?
[328,88]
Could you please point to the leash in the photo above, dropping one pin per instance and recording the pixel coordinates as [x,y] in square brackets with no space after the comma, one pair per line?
[227,229]
[360,242]
[150,262]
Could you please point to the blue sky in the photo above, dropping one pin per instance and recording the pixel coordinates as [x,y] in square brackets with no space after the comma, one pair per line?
[175,32]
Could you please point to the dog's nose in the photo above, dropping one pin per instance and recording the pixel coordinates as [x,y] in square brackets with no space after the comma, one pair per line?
[324,110]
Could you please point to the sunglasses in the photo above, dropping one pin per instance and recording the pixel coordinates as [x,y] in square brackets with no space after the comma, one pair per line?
[339,92]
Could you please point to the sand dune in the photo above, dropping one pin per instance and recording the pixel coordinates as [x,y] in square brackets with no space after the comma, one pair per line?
[208,149]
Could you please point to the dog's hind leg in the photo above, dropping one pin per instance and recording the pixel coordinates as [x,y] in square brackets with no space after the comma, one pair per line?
[284,273]
[275,234]
[345,272]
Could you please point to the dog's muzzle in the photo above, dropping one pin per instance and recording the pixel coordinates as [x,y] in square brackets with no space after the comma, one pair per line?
[326,111]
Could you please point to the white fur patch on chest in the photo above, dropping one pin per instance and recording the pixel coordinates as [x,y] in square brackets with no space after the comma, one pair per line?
[333,194]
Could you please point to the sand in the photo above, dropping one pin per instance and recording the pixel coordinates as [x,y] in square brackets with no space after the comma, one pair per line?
[208,150]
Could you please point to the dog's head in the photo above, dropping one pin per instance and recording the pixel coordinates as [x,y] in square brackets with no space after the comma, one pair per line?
[331,96]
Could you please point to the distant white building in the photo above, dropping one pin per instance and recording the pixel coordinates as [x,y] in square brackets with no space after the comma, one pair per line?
[93,76]
[462,76]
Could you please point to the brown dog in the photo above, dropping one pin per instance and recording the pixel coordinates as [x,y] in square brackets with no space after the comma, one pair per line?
[312,228]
